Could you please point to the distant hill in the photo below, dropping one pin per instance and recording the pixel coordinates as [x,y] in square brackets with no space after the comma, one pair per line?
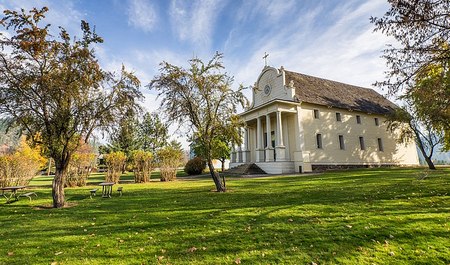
[9,137]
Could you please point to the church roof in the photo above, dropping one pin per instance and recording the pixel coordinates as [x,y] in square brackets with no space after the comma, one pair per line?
[339,95]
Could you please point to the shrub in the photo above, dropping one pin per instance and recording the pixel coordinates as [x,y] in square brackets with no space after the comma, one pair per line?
[80,166]
[195,166]
[169,159]
[115,162]
[142,165]
[21,166]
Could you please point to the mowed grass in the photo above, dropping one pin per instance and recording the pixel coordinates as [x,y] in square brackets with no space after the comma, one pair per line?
[373,216]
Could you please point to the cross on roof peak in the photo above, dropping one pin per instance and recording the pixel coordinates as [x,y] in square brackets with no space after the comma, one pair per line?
[265,58]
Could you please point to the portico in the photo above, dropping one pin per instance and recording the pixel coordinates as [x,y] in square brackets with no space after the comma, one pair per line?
[265,134]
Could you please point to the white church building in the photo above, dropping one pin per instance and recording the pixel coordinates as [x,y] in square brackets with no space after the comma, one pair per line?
[301,123]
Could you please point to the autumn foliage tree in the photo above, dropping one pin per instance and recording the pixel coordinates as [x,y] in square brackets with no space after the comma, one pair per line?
[115,162]
[142,165]
[169,159]
[201,98]
[21,165]
[80,166]
[53,86]
[418,63]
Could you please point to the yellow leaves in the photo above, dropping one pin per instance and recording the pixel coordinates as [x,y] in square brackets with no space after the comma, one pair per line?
[21,166]
[115,162]
[142,165]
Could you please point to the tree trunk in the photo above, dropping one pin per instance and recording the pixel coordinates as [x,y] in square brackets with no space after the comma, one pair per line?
[422,150]
[58,183]
[220,187]
[430,163]
[49,166]
[223,165]
[58,188]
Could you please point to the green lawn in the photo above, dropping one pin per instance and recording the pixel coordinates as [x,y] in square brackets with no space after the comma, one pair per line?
[374,216]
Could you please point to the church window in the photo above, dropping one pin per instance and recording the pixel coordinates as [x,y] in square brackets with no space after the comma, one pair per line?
[358,119]
[376,122]
[319,140]
[361,143]
[341,142]
[380,145]
[338,116]
[316,114]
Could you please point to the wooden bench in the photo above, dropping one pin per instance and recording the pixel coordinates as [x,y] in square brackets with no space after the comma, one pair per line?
[119,189]
[28,195]
[93,192]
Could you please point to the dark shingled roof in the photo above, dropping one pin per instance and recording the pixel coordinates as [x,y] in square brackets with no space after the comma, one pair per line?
[339,95]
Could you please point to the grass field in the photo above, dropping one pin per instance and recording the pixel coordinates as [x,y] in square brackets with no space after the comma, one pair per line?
[374,216]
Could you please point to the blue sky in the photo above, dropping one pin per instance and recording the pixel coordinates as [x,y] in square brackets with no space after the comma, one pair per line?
[332,39]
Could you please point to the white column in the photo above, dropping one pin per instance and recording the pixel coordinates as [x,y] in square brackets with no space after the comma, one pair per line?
[268,131]
[269,148]
[259,141]
[280,149]
[279,130]
[259,133]
[246,139]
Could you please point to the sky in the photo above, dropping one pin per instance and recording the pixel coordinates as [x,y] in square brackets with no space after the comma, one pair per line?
[332,39]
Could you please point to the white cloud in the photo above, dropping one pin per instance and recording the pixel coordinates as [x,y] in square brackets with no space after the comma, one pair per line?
[194,21]
[142,15]
[348,51]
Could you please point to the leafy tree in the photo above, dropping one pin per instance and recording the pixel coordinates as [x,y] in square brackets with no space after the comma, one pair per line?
[124,137]
[221,149]
[152,133]
[54,87]
[430,97]
[412,127]
[421,28]
[201,98]
[419,62]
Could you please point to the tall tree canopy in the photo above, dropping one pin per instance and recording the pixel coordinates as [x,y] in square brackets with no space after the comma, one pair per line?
[419,62]
[124,136]
[431,98]
[422,30]
[152,133]
[54,88]
[201,98]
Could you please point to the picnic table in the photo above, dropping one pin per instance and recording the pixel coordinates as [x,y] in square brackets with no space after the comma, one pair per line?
[106,189]
[13,192]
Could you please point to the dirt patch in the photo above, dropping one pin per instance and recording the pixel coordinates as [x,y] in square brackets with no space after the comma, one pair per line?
[50,206]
